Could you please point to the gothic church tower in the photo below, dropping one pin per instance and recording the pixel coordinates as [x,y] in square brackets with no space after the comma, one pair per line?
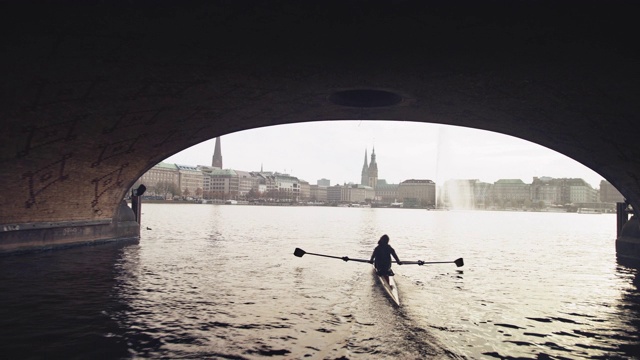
[217,155]
[373,170]
[364,177]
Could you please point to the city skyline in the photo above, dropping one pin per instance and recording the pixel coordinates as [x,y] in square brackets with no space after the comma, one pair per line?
[405,150]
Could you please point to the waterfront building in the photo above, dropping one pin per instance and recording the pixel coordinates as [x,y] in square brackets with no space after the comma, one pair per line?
[279,186]
[324,182]
[580,191]
[287,185]
[318,193]
[510,193]
[190,181]
[350,194]
[219,183]
[246,182]
[562,191]
[417,193]
[159,178]
[160,172]
[357,193]
[206,179]
[335,194]
[547,191]
[266,181]
[609,194]
[386,193]
[305,190]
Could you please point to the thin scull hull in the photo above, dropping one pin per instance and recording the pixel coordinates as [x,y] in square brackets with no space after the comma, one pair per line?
[389,288]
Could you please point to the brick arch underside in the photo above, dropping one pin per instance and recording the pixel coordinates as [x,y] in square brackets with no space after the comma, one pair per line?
[96,96]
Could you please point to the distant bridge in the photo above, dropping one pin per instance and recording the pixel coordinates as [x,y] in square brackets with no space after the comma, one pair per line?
[93,95]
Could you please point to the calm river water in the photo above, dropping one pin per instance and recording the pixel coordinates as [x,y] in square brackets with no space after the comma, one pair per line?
[221,282]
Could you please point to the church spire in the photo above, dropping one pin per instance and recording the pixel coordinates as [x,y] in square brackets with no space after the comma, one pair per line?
[364,176]
[373,170]
[217,155]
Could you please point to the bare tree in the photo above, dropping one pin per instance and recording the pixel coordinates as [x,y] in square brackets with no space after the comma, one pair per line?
[167,187]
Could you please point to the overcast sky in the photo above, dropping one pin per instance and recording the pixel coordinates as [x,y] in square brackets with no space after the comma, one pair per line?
[404,150]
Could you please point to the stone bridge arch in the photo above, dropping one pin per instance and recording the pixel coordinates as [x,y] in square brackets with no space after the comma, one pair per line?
[95,94]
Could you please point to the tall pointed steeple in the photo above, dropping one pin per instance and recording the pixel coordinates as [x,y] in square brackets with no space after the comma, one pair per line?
[373,170]
[217,155]
[364,176]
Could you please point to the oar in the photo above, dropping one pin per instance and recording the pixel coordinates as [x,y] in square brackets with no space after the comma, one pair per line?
[459,262]
[299,253]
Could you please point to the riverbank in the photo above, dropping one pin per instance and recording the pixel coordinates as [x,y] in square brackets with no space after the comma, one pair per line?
[355,205]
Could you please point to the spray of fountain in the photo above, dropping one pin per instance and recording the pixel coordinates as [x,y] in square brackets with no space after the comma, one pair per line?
[451,194]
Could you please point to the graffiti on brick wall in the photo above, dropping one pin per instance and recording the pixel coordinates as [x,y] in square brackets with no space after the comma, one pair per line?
[110,181]
[40,136]
[181,134]
[116,148]
[42,179]
[133,119]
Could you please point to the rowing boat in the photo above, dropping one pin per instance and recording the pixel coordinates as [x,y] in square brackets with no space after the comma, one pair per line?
[389,287]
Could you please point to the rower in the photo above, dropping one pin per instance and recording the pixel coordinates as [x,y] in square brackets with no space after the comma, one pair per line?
[381,257]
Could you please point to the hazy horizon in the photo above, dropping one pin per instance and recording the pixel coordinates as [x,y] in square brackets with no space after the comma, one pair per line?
[335,150]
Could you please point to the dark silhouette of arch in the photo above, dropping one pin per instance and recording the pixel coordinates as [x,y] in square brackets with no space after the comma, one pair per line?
[95,94]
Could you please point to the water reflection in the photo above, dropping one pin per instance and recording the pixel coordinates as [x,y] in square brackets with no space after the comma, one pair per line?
[628,308]
[221,282]
[60,303]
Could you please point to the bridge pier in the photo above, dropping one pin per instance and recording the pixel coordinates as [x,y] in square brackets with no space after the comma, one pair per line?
[622,216]
[49,235]
[628,236]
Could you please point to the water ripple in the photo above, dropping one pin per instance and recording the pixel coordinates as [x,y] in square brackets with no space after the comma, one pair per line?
[221,282]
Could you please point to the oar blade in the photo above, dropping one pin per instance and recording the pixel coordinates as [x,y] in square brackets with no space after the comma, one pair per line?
[299,252]
[459,262]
